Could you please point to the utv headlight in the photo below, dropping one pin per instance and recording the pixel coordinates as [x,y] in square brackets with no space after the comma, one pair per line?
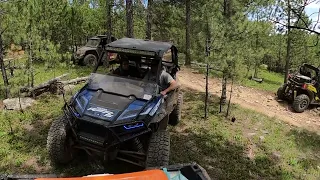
[133,126]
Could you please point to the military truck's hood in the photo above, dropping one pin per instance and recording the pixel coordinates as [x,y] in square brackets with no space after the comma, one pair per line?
[83,49]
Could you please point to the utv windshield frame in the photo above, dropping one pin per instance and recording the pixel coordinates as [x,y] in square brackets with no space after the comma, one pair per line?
[305,67]
[122,86]
[138,47]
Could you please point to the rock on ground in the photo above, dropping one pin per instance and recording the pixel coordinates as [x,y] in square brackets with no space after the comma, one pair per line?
[13,104]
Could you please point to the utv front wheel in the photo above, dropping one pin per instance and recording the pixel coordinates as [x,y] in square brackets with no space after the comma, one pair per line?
[59,142]
[301,103]
[280,92]
[175,116]
[159,149]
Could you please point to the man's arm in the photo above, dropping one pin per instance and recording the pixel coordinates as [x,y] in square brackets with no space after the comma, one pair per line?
[169,80]
[173,86]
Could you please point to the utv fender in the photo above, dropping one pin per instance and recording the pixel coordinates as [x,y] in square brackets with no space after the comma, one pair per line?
[92,52]
[306,92]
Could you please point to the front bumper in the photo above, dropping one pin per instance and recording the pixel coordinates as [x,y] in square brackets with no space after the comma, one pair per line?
[291,90]
[77,57]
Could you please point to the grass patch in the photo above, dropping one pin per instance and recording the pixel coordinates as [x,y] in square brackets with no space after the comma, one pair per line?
[253,147]
[42,74]
[24,149]
[271,81]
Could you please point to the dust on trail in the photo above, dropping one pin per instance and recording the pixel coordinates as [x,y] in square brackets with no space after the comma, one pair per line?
[258,100]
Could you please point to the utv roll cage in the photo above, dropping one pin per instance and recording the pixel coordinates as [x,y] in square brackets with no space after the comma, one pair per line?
[153,51]
[303,67]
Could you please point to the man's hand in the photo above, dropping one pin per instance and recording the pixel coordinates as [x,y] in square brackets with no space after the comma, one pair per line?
[163,93]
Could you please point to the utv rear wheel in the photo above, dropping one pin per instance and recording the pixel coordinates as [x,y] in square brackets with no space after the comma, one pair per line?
[59,142]
[301,103]
[175,115]
[90,60]
[159,149]
[280,92]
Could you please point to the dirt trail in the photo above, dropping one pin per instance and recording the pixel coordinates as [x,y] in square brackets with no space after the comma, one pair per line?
[260,101]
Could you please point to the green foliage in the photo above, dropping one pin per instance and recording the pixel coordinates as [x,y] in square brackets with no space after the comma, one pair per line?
[243,36]
[271,81]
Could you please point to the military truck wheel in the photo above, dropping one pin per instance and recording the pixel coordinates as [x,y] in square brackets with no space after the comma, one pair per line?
[301,103]
[280,92]
[175,116]
[90,60]
[159,149]
[59,142]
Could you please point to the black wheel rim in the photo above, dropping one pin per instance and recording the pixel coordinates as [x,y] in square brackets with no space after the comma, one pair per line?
[303,104]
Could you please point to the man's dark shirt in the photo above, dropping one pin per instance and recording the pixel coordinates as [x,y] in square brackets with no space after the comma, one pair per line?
[133,72]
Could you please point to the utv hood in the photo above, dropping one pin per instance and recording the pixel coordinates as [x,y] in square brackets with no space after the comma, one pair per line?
[112,99]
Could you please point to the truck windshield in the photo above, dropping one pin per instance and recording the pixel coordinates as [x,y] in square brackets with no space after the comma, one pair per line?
[93,42]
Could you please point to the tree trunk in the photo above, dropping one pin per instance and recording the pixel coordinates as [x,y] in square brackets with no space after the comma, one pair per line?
[288,45]
[72,28]
[207,94]
[149,20]
[227,15]
[129,14]
[3,70]
[229,103]
[255,75]
[188,12]
[279,57]
[109,17]
[30,64]
[224,91]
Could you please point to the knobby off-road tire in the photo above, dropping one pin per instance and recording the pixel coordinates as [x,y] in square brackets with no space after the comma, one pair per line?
[90,60]
[175,116]
[58,142]
[280,92]
[159,150]
[301,103]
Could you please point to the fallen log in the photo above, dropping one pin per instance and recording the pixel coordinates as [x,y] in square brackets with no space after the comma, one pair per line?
[259,80]
[75,81]
[43,85]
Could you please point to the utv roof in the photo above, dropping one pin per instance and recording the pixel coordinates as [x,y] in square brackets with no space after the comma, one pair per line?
[311,67]
[140,45]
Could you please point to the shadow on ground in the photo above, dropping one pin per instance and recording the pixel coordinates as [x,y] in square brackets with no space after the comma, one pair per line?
[201,141]
[222,159]
[268,81]
[308,142]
